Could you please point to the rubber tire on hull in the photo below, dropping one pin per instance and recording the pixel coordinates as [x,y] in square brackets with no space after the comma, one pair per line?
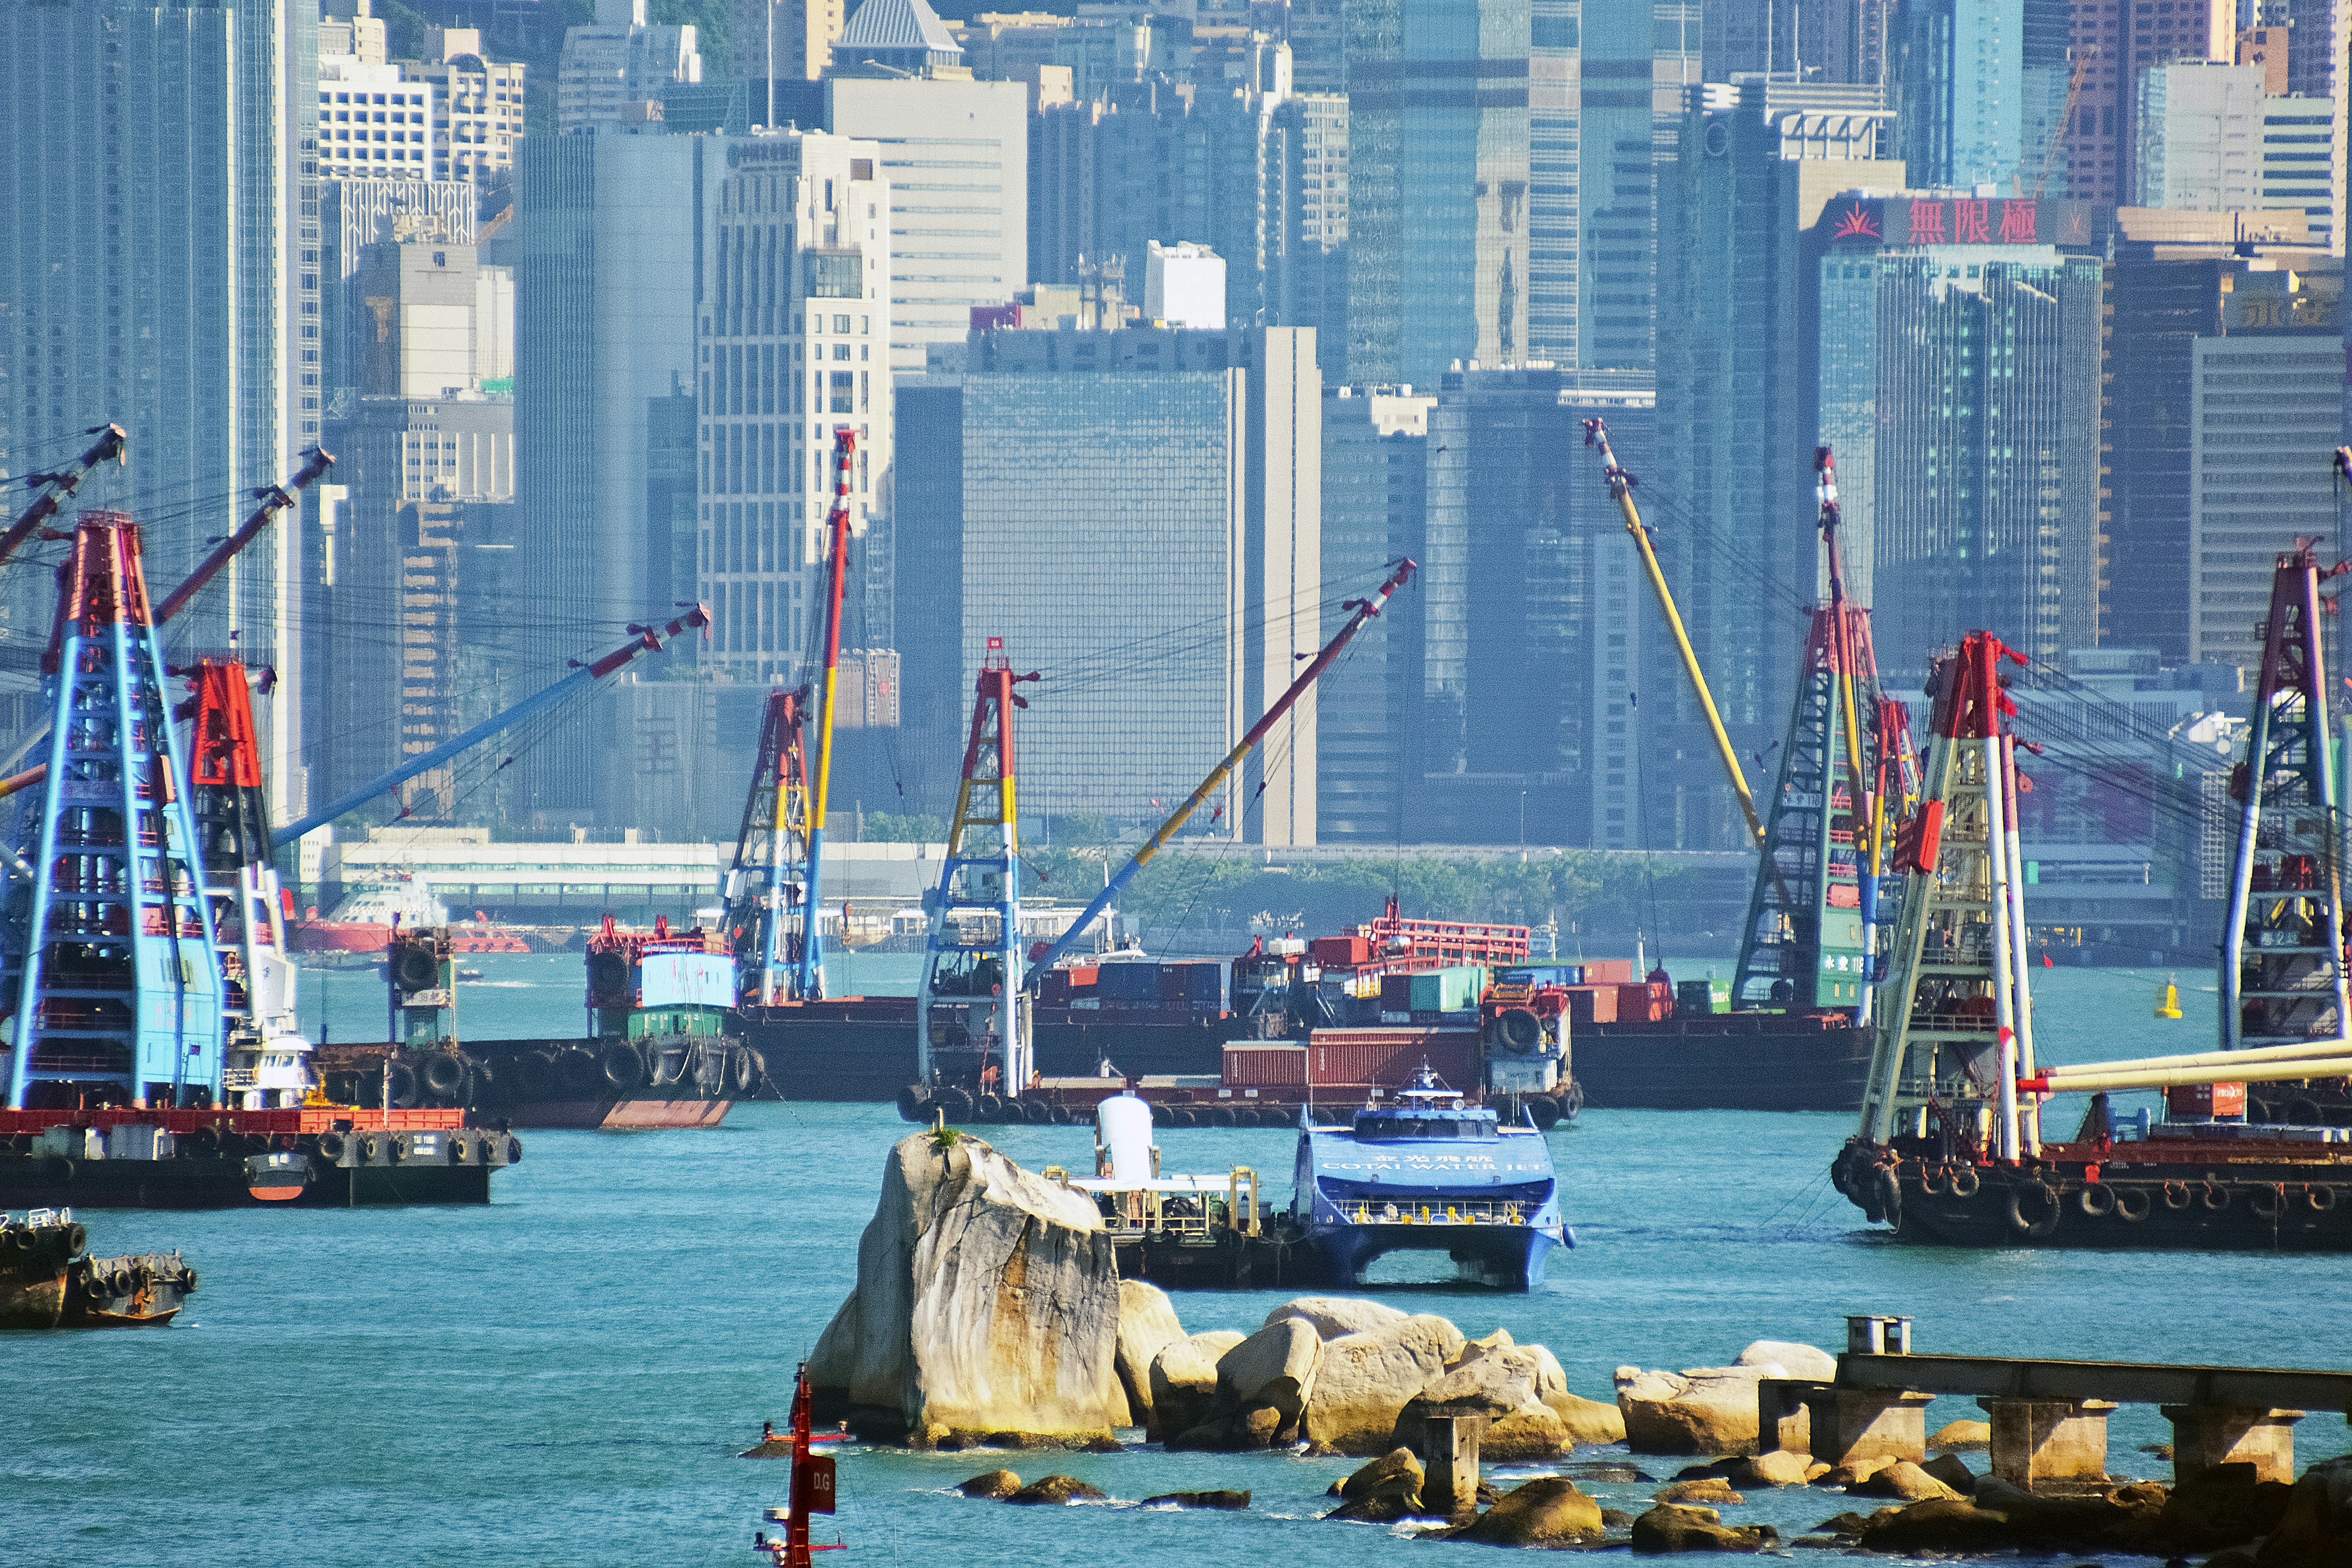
[1063,1116]
[956,1103]
[988,1107]
[914,1103]
[1036,1112]
[743,1070]
[443,1077]
[1223,1116]
[623,1066]
[404,1086]
[1546,1112]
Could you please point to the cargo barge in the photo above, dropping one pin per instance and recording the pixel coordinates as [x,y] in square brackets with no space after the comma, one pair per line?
[662,1054]
[47,1281]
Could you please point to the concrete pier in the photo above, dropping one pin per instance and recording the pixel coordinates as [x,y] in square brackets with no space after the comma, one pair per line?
[2036,1440]
[2204,1436]
[1449,1463]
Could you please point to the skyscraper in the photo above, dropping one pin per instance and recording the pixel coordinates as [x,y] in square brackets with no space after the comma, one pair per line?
[1960,69]
[1959,359]
[2113,43]
[159,266]
[1638,56]
[611,71]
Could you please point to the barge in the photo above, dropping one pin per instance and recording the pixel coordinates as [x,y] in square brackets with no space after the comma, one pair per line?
[47,1281]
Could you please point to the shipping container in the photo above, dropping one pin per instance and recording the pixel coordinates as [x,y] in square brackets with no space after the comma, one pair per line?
[1200,987]
[1592,1004]
[1448,990]
[1693,996]
[1340,952]
[1522,976]
[1251,1064]
[1129,982]
[1082,977]
[1641,1004]
[1387,1059]
[1054,988]
[2200,1101]
[1396,993]
[1609,972]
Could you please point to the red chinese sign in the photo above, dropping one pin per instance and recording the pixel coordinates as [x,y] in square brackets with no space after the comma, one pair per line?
[1965,220]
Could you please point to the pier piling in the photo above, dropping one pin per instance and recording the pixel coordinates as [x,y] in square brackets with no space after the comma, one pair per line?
[2204,1436]
[1449,1463]
[2038,1440]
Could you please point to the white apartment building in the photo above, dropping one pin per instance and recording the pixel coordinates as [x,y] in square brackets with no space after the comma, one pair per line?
[477,104]
[373,123]
[2200,136]
[2302,164]
[610,72]
[794,341]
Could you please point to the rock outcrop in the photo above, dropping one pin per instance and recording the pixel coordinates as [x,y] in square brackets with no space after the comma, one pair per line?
[1902,1479]
[1386,1491]
[990,1484]
[1709,1409]
[1676,1527]
[1548,1511]
[1336,1316]
[1058,1490]
[1183,1383]
[2316,1529]
[1959,1436]
[986,1301]
[1229,1501]
[1263,1386]
[1146,1325]
[1367,1377]
[1497,1383]
[1778,1467]
[1712,1491]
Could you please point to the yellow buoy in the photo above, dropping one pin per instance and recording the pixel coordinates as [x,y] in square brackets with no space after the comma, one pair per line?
[2169,1005]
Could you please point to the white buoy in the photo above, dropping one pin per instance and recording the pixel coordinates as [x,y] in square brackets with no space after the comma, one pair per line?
[1123,1130]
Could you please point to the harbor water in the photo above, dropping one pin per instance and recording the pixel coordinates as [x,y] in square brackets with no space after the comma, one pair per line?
[565,1375]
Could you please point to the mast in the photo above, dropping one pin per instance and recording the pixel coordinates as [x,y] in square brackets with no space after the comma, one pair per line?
[968,1005]
[812,964]
[1361,610]
[768,885]
[1947,1036]
[1811,939]
[119,993]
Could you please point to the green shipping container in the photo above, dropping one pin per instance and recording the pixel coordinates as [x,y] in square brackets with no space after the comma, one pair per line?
[1454,990]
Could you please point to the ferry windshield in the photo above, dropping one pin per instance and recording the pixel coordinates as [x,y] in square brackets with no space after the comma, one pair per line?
[1430,1123]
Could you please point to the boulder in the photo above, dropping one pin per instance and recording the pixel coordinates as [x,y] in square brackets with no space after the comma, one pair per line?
[1498,1387]
[1263,1386]
[1705,1410]
[1853,1473]
[1937,1524]
[1548,1511]
[1779,1467]
[987,1299]
[1183,1383]
[1336,1316]
[1587,1420]
[990,1484]
[1784,1358]
[2221,1506]
[2316,1529]
[1219,1500]
[1959,1436]
[1058,1490]
[1712,1490]
[1673,1528]
[1146,1325]
[1400,1468]
[2085,1521]
[1365,1379]
[1906,1480]
[1953,1472]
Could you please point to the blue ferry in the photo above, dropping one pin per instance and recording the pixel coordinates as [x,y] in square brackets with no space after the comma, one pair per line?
[1428,1173]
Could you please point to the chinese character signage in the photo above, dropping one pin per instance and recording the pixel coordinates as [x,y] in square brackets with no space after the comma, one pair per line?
[1891,222]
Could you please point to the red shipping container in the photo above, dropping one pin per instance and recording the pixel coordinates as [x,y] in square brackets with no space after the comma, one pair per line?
[1082,978]
[1340,952]
[1609,972]
[1252,1066]
[2201,1100]
[1343,1058]
[1639,1005]
[1592,1004]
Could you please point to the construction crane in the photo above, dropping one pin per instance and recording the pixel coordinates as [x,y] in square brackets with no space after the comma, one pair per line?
[274,499]
[1362,610]
[2065,118]
[57,488]
[774,886]
[1620,488]
[641,640]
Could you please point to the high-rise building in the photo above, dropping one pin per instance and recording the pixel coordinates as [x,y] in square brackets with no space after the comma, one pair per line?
[2265,410]
[609,72]
[1638,57]
[1438,172]
[2303,164]
[955,156]
[355,215]
[1959,73]
[785,39]
[1136,515]
[1732,482]
[2317,39]
[1959,366]
[373,123]
[2201,137]
[1843,42]
[606,286]
[2115,42]
[2170,286]
[159,270]
[477,104]
[1368,707]
[795,343]
[1183,286]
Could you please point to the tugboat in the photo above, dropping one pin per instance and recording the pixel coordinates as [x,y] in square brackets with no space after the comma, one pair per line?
[661,1054]
[1429,1172]
[1950,1149]
[46,1283]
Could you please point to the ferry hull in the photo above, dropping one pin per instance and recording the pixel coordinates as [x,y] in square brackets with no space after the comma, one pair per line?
[1507,1258]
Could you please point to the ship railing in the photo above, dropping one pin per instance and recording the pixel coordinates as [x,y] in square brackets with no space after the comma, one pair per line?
[1455,1212]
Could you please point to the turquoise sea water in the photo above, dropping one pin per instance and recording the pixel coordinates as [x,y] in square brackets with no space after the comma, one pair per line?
[564,1375]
